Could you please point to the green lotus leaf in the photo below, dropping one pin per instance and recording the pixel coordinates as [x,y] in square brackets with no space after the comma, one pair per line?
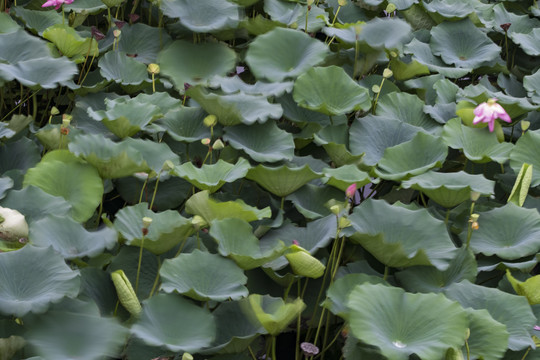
[284,53]
[170,321]
[20,46]
[85,6]
[331,91]
[185,124]
[21,154]
[528,42]
[335,140]
[511,310]
[510,232]
[35,203]
[523,152]
[346,33]
[235,84]
[400,237]
[203,16]
[118,67]
[75,330]
[284,12]
[143,41]
[385,33]
[273,314]
[259,25]
[234,330]
[234,109]
[6,183]
[275,145]
[70,43]
[421,52]
[407,108]
[494,263]
[462,44]
[45,72]
[70,238]
[528,288]
[168,228]
[154,153]
[413,157]
[451,9]
[449,189]
[236,240]
[35,19]
[32,278]
[372,136]
[112,160]
[185,62]
[478,145]
[489,338]
[203,276]
[283,180]
[316,235]
[163,100]
[401,324]
[495,16]
[310,200]
[212,177]
[7,24]
[532,84]
[60,173]
[427,279]
[209,209]
[343,176]
[339,291]
[298,114]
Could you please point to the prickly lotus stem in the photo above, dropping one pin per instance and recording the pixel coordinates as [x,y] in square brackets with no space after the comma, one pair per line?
[126,294]
[13,226]
[303,263]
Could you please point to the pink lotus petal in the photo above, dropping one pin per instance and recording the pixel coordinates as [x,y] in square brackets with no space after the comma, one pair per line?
[351,190]
[488,112]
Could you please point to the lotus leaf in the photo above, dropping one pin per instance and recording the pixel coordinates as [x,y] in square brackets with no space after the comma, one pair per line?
[532,84]
[451,9]
[310,200]
[386,33]
[185,124]
[528,41]
[7,24]
[143,41]
[489,338]
[281,181]
[70,43]
[421,52]
[118,67]
[37,20]
[273,313]
[22,155]
[35,203]
[523,152]
[235,84]
[45,72]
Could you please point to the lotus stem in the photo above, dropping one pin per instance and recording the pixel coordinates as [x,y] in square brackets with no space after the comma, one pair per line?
[155,191]
[526,353]
[139,265]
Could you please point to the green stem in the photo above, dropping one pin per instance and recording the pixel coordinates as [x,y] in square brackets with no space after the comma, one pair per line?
[447,217]
[155,191]
[274,353]
[377,97]
[386,271]
[468,350]
[282,202]
[139,265]
[526,353]
[143,188]
[156,280]
[298,324]
[307,15]
[335,16]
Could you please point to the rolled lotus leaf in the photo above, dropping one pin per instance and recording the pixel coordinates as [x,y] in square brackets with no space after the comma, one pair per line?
[303,263]
[126,294]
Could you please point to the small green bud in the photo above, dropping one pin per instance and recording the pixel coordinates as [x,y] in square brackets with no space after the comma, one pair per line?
[335,209]
[117,33]
[344,223]
[474,217]
[205,141]
[210,120]
[525,125]
[475,195]
[393,54]
[153,69]
[146,221]
[390,8]
[387,73]
[218,145]
[168,165]
[55,111]
[187,356]
[310,2]
[467,334]
[198,222]
[376,89]
[342,2]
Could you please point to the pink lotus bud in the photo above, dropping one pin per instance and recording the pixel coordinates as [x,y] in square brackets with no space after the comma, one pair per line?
[351,190]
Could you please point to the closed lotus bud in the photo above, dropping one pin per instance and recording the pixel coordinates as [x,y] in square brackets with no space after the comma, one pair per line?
[146,221]
[310,2]
[55,111]
[525,125]
[390,8]
[303,263]
[205,141]
[66,120]
[198,222]
[475,195]
[117,33]
[210,120]
[387,73]
[153,69]
[13,226]
[335,209]
[474,217]
[376,89]
[344,223]
[126,294]
[218,145]
[168,165]
[342,2]
[187,356]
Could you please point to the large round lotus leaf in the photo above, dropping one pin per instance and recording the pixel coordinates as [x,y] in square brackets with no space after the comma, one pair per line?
[168,228]
[400,237]
[262,142]
[209,209]
[236,240]
[331,91]
[185,124]
[35,19]
[203,276]
[22,154]
[335,139]
[449,189]
[273,314]
[524,152]
[373,136]
[339,291]
[281,181]
[154,153]
[498,15]
[19,46]
[451,9]
[112,160]
[413,157]
[385,33]
[170,321]
[203,16]
[35,203]
[421,52]
[316,235]
[70,238]
[212,177]
[478,145]
[70,43]
[427,279]
[32,278]
[234,109]
[284,53]
[45,72]
[284,12]
[185,62]
[75,330]
[511,310]
[235,84]
[60,173]
[401,324]
[85,6]
[343,176]
[143,41]
[510,232]
[118,67]
[7,24]
[489,338]
[310,200]
[407,108]
[528,42]
[298,114]
[462,44]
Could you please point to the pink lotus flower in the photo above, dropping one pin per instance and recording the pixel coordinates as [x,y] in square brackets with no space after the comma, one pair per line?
[351,190]
[488,111]
[56,3]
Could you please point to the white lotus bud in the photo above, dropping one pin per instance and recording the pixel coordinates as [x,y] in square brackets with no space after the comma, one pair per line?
[13,226]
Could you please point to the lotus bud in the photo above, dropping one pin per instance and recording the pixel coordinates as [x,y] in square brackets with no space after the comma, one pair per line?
[387,73]
[13,226]
[218,145]
[210,120]
[198,222]
[66,120]
[117,33]
[525,125]
[335,209]
[376,89]
[187,356]
[55,111]
[303,263]
[153,69]
[390,8]
[393,54]
[351,190]
[310,2]
[474,217]
[146,221]
[342,2]
[168,165]
[344,223]
[126,294]
[475,195]
[205,141]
